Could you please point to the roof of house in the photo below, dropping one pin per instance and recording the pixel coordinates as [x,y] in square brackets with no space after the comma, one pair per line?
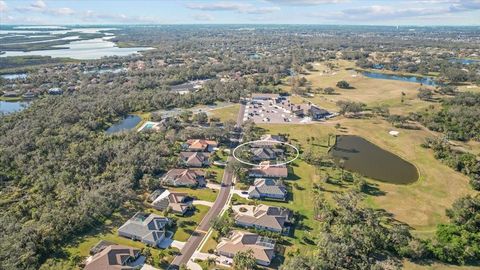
[112,257]
[267,170]
[200,143]
[264,153]
[194,158]
[268,186]
[265,216]
[174,200]
[318,110]
[184,176]
[149,227]
[263,248]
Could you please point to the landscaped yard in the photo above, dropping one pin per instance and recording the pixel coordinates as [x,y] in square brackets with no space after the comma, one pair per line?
[203,194]
[80,246]
[189,222]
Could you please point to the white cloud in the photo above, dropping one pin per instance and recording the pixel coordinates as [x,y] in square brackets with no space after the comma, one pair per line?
[306,2]
[63,11]
[3,6]
[232,6]
[39,4]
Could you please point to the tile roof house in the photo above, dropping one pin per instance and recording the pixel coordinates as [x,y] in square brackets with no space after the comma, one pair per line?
[113,257]
[267,188]
[263,217]
[263,248]
[195,159]
[147,228]
[265,153]
[179,203]
[200,145]
[184,178]
[265,170]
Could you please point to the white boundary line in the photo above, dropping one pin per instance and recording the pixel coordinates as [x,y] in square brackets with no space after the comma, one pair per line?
[271,141]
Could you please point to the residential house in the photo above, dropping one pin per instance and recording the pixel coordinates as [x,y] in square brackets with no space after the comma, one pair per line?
[55,91]
[147,228]
[179,203]
[265,153]
[184,178]
[114,257]
[263,217]
[195,159]
[239,241]
[267,188]
[200,145]
[265,170]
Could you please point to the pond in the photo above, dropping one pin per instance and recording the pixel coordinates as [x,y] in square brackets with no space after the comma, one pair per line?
[14,76]
[367,159]
[127,123]
[464,61]
[7,107]
[423,80]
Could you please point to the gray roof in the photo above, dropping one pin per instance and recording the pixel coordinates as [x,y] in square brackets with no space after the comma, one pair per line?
[266,216]
[268,186]
[150,228]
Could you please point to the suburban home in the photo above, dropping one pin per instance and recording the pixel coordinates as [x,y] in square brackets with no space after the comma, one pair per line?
[114,256]
[263,248]
[199,145]
[184,178]
[55,91]
[263,217]
[270,137]
[147,228]
[267,188]
[265,153]
[179,203]
[195,159]
[265,170]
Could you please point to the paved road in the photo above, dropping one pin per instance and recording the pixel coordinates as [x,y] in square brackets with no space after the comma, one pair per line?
[199,234]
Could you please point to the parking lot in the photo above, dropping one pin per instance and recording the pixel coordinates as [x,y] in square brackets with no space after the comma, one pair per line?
[267,111]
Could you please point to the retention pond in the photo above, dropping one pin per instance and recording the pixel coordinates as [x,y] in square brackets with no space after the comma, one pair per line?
[358,155]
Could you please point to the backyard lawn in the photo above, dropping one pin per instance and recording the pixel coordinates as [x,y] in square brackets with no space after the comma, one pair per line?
[226,113]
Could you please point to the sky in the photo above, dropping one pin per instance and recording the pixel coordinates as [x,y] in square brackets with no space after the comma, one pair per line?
[347,12]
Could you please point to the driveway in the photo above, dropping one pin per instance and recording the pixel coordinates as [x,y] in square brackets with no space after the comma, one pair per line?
[199,202]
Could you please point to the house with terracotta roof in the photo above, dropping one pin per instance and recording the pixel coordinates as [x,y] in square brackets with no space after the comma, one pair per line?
[114,257]
[179,203]
[194,159]
[200,145]
[147,228]
[184,178]
[263,248]
[265,170]
[263,217]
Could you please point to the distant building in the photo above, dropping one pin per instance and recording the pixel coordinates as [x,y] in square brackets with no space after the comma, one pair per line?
[55,91]
[184,178]
[147,228]
[267,188]
[318,113]
[114,257]
[263,248]
[266,153]
[263,217]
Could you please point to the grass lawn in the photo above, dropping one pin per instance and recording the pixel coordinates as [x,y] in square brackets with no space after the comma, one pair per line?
[421,204]
[218,172]
[210,243]
[189,223]
[204,194]
[226,113]
[81,245]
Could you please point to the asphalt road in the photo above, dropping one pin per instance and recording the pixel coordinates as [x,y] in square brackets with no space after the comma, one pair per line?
[201,231]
